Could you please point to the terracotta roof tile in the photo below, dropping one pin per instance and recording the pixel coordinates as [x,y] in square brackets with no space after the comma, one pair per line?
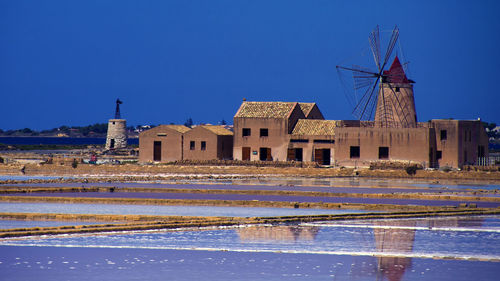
[178,128]
[265,109]
[306,107]
[309,127]
[218,130]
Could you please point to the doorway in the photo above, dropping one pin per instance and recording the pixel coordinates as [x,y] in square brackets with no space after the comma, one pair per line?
[322,156]
[157,151]
[295,154]
[265,154]
[245,153]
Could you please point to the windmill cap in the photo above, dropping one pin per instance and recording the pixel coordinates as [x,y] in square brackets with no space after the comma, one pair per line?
[396,73]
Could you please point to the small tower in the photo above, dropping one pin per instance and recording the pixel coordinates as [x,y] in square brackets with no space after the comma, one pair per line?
[117,130]
[395,103]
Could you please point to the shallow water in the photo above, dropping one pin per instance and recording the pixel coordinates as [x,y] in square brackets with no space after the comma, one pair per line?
[249,197]
[410,249]
[287,183]
[95,264]
[10,224]
[162,210]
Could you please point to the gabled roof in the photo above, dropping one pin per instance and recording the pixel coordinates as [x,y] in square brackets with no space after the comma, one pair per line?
[253,109]
[311,127]
[179,128]
[396,73]
[311,110]
[218,130]
[306,107]
[161,128]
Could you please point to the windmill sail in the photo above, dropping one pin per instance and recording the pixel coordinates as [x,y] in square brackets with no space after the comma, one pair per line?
[386,94]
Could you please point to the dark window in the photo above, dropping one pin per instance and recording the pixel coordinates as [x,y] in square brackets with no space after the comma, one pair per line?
[112,144]
[324,141]
[354,152]
[397,89]
[246,132]
[264,132]
[444,135]
[203,145]
[439,154]
[191,145]
[383,152]
[299,140]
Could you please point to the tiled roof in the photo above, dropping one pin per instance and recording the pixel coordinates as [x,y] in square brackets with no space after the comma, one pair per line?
[306,107]
[218,130]
[310,127]
[265,109]
[179,128]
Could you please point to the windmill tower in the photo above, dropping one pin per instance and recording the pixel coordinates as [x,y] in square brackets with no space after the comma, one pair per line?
[385,94]
[395,102]
[117,130]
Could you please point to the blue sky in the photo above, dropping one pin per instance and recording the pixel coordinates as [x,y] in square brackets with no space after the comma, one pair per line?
[65,62]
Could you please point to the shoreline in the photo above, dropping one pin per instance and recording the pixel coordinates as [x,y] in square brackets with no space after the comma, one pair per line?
[63,169]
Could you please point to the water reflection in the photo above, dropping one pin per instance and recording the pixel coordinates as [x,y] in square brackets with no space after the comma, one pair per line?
[278,233]
[392,240]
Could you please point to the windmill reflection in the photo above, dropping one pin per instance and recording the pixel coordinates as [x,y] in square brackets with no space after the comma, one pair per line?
[398,236]
[395,239]
[392,240]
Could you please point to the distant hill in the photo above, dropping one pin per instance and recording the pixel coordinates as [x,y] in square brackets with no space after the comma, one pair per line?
[96,130]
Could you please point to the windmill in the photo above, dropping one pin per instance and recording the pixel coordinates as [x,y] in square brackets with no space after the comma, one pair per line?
[385,92]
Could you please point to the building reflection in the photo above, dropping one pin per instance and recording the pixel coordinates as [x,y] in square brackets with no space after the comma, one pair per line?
[392,239]
[284,233]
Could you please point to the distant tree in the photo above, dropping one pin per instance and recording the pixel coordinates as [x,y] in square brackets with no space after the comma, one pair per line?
[223,122]
[189,123]
[490,129]
[26,131]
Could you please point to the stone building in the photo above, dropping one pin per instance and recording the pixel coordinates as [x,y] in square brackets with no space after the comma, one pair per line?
[364,144]
[313,141]
[207,142]
[460,142]
[169,143]
[162,144]
[280,131]
[261,129]
[293,131]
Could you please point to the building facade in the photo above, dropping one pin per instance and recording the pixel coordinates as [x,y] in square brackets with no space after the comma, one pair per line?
[162,144]
[262,129]
[169,143]
[207,143]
